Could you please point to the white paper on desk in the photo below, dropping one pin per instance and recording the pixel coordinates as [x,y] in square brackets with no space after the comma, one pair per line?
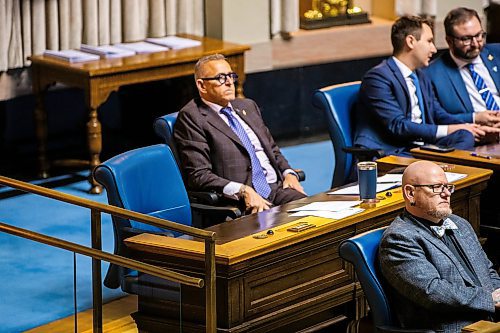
[331,206]
[453,176]
[107,51]
[354,189]
[71,55]
[142,47]
[390,178]
[328,214]
[174,42]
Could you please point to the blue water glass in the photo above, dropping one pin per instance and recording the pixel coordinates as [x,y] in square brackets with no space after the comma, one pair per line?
[367,181]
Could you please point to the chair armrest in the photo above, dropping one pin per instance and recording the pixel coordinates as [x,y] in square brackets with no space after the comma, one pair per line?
[227,211]
[301,174]
[392,329]
[204,197]
[134,231]
[364,154]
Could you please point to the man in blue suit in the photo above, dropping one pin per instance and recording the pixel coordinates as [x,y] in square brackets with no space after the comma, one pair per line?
[437,273]
[451,75]
[397,109]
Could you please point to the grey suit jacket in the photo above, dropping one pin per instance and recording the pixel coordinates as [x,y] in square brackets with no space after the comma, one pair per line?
[428,287]
[212,154]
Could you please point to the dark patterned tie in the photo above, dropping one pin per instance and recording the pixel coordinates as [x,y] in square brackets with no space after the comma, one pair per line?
[484,91]
[258,178]
[420,99]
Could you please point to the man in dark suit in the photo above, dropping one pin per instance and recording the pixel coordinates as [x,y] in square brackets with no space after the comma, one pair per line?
[225,147]
[397,109]
[438,276]
[451,75]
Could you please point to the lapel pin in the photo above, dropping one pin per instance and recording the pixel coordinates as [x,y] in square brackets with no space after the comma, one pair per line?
[495,69]
[244,112]
[490,57]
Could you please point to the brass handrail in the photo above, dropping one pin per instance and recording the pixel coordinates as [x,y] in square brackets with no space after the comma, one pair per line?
[101,255]
[96,253]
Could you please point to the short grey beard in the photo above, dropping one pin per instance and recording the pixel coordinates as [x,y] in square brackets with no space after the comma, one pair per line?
[440,213]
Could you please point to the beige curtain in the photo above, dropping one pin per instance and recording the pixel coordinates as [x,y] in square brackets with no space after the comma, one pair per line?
[284,16]
[30,26]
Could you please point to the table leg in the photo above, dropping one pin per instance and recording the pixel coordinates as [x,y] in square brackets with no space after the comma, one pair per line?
[95,148]
[41,134]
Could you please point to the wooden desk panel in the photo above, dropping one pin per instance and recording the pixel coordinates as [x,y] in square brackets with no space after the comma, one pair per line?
[99,78]
[285,282]
[464,157]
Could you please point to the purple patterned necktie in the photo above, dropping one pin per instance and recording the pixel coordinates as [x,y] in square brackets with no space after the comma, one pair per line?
[258,178]
[484,91]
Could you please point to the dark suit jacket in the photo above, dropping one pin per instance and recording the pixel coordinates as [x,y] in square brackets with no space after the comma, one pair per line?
[383,112]
[212,154]
[449,86]
[430,288]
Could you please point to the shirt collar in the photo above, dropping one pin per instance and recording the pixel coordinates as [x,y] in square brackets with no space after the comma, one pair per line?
[402,67]
[462,63]
[215,107]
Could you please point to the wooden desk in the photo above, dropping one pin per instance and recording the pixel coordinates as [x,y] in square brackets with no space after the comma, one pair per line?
[464,157]
[482,327]
[286,282]
[99,78]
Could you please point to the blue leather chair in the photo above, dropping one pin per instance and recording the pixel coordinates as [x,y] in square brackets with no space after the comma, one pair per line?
[146,180]
[338,102]
[362,252]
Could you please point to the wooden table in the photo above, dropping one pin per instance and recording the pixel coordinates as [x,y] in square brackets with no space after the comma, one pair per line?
[285,282]
[482,327]
[464,157]
[99,78]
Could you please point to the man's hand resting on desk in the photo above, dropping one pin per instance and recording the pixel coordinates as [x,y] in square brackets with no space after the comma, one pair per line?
[488,118]
[254,203]
[291,181]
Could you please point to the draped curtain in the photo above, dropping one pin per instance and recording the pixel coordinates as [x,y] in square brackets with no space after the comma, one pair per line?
[30,26]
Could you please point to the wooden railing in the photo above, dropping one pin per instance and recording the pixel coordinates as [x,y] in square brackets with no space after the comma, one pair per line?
[97,254]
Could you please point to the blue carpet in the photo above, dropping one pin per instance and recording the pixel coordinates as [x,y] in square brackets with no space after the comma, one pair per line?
[37,281]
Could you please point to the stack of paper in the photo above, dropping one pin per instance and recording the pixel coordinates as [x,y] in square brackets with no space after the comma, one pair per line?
[142,47]
[107,51]
[329,209]
[71,55]
[174,42]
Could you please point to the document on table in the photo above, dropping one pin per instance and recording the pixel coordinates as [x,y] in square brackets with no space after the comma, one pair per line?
[107,51]
[174,42]
[329,209]
[453,176]
[71,55]
[142,47]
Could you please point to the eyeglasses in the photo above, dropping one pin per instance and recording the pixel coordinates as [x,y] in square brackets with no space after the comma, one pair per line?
[222,78]
[467,40]
[438,188]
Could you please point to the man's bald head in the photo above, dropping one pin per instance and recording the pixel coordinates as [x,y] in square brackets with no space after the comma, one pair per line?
[420,181]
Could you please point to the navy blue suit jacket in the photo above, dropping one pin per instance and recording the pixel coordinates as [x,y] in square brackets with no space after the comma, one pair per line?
[449,86]
[383,112]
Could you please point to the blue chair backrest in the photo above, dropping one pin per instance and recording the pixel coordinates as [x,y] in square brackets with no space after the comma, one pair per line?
[362,252]
[164,128]
[146,180]
[338,102]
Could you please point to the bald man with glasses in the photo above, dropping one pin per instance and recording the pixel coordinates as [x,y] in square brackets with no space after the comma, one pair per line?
[225,147]
[437,274]
[466,78]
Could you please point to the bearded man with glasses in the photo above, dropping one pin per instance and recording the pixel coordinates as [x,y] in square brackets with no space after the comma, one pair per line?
[466,78]
[225,147]
[438,276]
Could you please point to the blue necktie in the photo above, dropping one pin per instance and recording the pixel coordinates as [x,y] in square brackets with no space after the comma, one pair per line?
[258,178]
[416,83]
[484,91]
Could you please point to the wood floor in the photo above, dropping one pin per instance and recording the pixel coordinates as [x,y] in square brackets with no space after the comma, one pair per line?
[116,319]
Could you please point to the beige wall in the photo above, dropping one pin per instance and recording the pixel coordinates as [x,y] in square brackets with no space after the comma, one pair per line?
[239,21]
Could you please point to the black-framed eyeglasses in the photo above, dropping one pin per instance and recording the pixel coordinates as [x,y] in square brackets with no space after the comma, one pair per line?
[438,188]
[467,40]
[222,77]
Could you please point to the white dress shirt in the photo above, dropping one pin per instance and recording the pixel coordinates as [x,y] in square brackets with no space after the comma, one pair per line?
[416,112]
